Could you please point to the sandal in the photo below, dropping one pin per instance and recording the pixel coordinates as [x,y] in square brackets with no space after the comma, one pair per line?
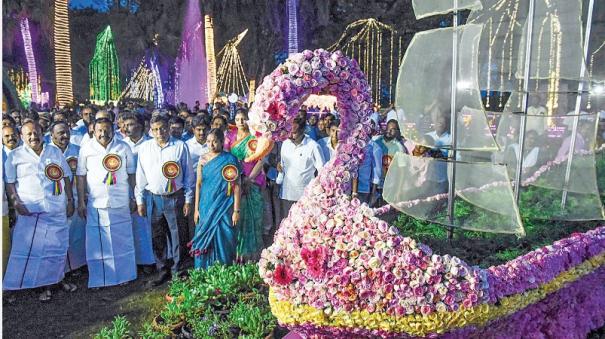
[69,287]
[45,296]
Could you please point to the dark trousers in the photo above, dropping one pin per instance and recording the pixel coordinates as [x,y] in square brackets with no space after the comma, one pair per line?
[286,205]
[166,218]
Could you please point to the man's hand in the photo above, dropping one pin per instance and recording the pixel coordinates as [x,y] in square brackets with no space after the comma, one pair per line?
[235,218]
[70,208]
[21,209]
[141,209]
[82,209]
[186,208]
[279,168]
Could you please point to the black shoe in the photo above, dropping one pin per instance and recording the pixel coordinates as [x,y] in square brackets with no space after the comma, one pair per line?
[148,269]
[163,278]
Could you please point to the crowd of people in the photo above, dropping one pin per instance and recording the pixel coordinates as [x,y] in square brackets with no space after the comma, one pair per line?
[128,190]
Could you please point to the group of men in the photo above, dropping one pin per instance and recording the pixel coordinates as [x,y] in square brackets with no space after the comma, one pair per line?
[89,195]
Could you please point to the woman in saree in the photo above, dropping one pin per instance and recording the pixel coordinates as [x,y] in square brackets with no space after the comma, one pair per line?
[241,143]
[217,201]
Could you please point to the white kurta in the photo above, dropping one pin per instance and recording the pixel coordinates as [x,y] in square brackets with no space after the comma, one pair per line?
[110,250]
[141,227]
[76,252]
[40,241]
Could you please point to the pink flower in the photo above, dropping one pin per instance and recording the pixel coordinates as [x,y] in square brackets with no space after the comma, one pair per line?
[282,275]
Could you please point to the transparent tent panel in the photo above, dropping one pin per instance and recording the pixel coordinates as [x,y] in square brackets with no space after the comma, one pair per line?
[427,112]
[556,45]
[418,186]
[425,8]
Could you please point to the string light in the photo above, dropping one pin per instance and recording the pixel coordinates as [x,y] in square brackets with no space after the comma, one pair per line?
[252,89]
[20,80]
[210,57]
[231,75]
[366,46]
[292,27]
[62,43]
[31,60]
[104,69]
[146,83]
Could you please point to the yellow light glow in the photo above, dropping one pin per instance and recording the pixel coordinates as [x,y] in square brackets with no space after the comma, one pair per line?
[210,57]
[62,53]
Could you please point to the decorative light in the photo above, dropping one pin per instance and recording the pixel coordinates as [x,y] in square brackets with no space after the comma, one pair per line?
[598,90]
[251,91]
[210,57]
[292,27]
[146,83]
[20,80]
[31,60]
[62,53]
[364,40]
[231,75]
[104,69]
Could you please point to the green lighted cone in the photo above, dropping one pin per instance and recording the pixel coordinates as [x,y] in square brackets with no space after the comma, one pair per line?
[104,69]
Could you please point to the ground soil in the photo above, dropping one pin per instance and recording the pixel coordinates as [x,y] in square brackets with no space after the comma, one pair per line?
[82,313]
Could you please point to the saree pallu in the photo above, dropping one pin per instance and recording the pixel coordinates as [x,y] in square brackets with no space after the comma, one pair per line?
[39,249]
[215,237]
[250,234]
[109,246]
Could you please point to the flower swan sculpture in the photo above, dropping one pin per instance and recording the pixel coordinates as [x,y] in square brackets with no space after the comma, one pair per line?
[335,269]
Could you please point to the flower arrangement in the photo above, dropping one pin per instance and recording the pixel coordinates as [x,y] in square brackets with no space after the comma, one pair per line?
[335,265]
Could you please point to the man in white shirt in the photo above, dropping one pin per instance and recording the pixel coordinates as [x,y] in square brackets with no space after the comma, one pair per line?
[81,130]
[133,125]
[197,145]
[164,193]
[330,143]
[301,157]
[197,148]
[76,252]
[10,138]
[106,171]
[37,180]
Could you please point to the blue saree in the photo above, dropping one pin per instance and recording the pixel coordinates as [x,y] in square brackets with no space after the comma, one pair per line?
[215,239]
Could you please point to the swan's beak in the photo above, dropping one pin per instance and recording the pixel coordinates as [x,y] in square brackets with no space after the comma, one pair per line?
[264,145]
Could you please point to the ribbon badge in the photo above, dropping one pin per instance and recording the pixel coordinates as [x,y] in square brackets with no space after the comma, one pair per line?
[251,145]
[55,173]
[171,170]
[112,163]
[73,165]
[230,174]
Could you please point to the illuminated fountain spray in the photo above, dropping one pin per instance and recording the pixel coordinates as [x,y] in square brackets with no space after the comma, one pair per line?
[191,73]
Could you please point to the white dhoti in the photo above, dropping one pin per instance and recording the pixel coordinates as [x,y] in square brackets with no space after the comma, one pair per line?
[76,252]
[141,229]
[109,246]
[39,249]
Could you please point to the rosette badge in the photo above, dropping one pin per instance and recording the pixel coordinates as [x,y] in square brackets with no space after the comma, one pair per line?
[55,173]
[112,163]
[171,170]
[230,174]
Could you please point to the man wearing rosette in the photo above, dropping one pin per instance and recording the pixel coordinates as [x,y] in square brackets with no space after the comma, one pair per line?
[134,125]
[38,185]
[76,252]
[164,193]
[106,169]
